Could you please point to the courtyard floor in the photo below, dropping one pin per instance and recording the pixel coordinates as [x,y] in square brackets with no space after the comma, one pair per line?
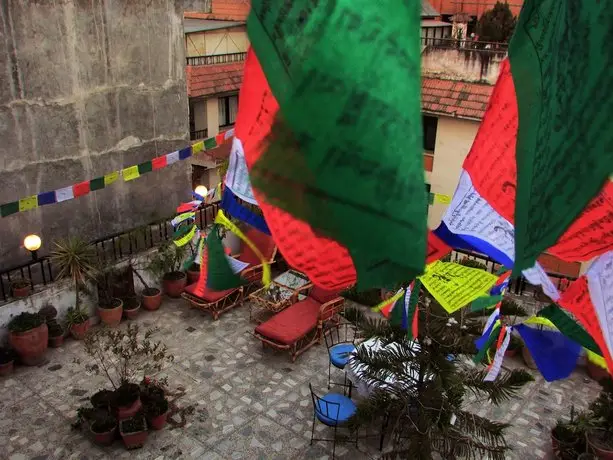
[249,403]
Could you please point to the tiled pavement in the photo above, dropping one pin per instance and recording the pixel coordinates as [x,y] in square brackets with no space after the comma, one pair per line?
[249,403]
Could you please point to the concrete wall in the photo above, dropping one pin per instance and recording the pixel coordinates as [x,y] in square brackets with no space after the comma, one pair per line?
[88,87]
[454,138]
[460,64]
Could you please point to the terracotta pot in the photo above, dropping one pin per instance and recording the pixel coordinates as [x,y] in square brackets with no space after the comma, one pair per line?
[510,353]
[78,331]
[528,358]
[31,345]
[20,292]
[111,316]
[125,412]
[174,283]
[6,369]
[602,452]
[133,440]
[596,372]
[558,446]
[56,342]
[132,313]
[104,439]
[152,302]
[159,422]
[193,274]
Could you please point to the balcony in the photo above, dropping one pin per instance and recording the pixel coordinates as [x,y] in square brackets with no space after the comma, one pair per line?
[216,59]
[199,134]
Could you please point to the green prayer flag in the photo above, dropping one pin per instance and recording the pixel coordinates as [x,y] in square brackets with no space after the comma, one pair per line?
[502,269]
[493,337]
[145,167]
[485,301]
[397,312]
[346,157]
[569,327]
[96,184]
[9,208]
[210,143]
[219,273]
[560,57]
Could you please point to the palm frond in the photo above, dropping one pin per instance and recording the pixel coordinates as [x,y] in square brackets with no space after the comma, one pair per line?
[502,389]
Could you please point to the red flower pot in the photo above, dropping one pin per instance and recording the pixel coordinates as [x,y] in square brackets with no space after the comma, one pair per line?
[193,273]
[31,345]
[159,422]
[104,439]
[174,283]
[20,292]
[125,412]
[601,451]
[56,342]
[111,316]
[152,299]
[133,440]
[78,331]
[6,369]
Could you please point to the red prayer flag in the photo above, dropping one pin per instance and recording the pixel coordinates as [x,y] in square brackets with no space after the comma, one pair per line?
[159,162]
[80,189]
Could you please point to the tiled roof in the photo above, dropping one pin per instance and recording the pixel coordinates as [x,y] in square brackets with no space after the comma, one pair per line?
[225,10]
[455,98]
[205,80]
[428,10]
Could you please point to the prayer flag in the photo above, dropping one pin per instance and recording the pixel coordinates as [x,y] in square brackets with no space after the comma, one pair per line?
[96,184]
[185,153]
[159,162]
[30,202]
[64,194]
[9,208]
[197,147]
[110,178]
[210,143]
[130,173]
[145,167]
[80,189]
[46,198]
[172,157]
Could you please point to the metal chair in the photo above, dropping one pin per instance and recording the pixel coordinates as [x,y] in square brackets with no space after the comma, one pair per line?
[332,410]
[340,341]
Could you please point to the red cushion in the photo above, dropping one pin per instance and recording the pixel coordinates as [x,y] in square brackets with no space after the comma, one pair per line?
[208,295]
[322,295]
[262,241]
[292,323]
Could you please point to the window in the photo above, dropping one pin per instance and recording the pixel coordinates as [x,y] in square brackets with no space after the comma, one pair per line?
[228,108]
[428,195]
[430,124]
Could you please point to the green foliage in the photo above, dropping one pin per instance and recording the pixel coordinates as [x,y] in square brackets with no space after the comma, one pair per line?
[167,259]
[48,312]
[76,316]
[25,321]
[497,24]
[508,307]
[602,407]
[122,354]
[472,263]
[370,297]
[426,406]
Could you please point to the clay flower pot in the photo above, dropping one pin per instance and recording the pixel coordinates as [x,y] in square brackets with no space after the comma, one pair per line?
[152,299]
[56,342]
[596,443]
[78,331]
[20,289]
[132,436]
[6,368]
[193,273]
[106,438]
[131,307]
[111,316]
[174,283]
[159,422]
[31,345]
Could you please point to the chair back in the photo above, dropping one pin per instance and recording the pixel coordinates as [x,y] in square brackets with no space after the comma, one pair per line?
[339,333]
[327,409]
[262,241]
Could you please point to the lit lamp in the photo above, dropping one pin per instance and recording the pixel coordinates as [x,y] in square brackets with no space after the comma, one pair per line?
[201,190]
[32,243]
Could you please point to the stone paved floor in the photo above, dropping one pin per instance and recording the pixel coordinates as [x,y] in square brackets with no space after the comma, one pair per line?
[249,403]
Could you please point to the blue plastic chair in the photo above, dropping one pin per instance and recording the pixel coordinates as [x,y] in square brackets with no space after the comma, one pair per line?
[333,410]
[340,341]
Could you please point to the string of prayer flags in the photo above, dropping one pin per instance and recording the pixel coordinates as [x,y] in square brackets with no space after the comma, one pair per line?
[399,315]
[557,82]
[237,176]
[485,342]
[388,304]
[203,257]
[554,354]
[413,309]
[220,275]
[130,173]
[501,284]
[501,348]
[596,359]
[359,186]
[454,285]
[569,327]
[484,302]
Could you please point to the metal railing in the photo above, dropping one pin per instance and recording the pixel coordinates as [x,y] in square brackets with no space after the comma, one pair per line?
[464,44]
[108,249]
[216,59]
[198,134]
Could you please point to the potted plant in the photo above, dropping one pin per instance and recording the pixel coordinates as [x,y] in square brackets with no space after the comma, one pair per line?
[600,435]
[193,273]
[78,323]
[515,345]
[134,431]
[110,308]
[166,265]
[103,399]
[155,404]
[29,336]
[131,306]
[21,288]
[56,334]
[103,426]
[7,358]
[128,400]
[152,296]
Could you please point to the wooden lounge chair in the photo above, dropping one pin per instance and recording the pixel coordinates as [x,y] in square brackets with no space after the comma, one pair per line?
[266,245]
[300,325]
[213,302]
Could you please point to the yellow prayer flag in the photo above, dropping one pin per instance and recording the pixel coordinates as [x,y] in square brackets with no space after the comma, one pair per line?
[595,359]
[540,321]
[186,238]
[27,203]
[130,173]
[197,147]
[110,178]
[443,199]
[392,299]
[454,285]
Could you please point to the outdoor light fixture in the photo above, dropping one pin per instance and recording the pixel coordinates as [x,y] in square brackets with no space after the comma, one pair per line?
[32,243]
[201,190]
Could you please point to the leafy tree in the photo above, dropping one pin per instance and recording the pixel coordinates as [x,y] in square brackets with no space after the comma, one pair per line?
[425,405]
[497,24]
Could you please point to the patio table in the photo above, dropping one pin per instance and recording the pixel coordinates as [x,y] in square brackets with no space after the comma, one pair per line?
[266,302]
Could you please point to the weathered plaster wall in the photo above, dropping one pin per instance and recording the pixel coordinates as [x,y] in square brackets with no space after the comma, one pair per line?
[461,64]
[88,87]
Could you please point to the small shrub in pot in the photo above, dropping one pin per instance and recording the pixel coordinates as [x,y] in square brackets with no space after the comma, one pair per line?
[21,288]
[78,322]
[131,306]
[166,265]
[7,358]
[152,296]
[29,336]
[134,431]
[103,426]
[56,334]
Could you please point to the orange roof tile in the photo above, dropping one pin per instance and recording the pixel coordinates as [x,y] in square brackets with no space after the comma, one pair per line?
[205,80]
[455,98]
[224,10]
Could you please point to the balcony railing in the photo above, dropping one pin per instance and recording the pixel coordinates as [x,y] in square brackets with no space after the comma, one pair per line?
[465,44]
[199,134]
[216,59]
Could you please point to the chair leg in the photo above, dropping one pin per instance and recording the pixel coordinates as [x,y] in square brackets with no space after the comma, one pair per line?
[313,429]
[329,374]
[334,444]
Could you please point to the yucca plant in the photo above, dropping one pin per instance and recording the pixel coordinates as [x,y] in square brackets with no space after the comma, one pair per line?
[75,259]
